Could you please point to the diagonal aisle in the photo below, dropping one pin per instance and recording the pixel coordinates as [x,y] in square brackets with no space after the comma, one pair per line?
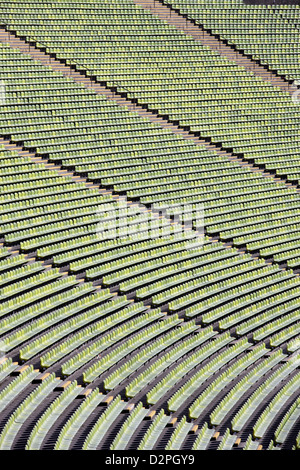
[88,168]
[250,140]
[182,23]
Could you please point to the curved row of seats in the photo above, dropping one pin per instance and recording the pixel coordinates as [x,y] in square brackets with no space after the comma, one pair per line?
[267,33]
[281,384]
[48,223]
[210,94]
[162,321]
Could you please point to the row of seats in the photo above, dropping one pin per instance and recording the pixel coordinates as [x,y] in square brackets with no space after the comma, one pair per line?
[174,345]
[221,113]
[38,231]
[268,33]
[107,411]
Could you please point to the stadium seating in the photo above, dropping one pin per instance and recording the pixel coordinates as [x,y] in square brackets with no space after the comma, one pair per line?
[257,30]
[182,92]
[118,329]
